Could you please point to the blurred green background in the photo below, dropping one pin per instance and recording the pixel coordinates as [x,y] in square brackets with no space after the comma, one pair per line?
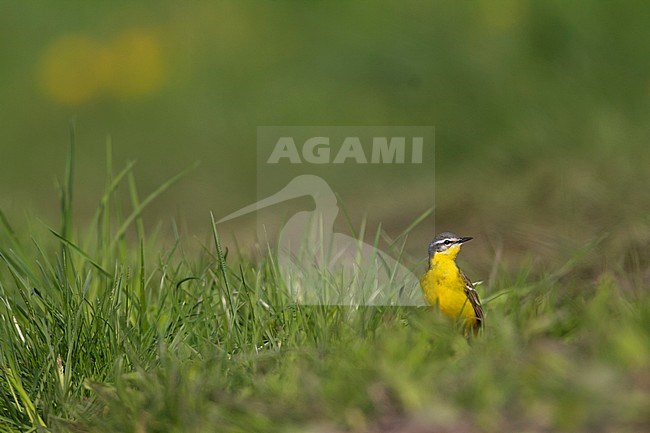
[541,108]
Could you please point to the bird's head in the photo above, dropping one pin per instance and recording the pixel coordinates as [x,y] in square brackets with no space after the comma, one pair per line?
[446,243]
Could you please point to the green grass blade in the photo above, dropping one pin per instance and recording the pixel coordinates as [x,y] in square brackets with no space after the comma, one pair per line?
[81,252]
[151,197]
[67,188]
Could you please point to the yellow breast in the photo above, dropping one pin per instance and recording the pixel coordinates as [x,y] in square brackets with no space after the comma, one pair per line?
[444,286]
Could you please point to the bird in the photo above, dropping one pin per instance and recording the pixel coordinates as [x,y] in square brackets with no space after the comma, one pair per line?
[444,285]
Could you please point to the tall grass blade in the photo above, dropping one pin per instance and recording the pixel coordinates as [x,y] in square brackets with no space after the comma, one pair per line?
[151,197]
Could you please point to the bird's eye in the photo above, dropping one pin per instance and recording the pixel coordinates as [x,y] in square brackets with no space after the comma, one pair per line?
[447,242]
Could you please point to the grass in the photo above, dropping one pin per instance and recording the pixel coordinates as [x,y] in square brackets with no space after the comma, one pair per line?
[102,332]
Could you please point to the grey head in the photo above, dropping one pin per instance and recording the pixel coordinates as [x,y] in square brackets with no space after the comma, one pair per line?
[443,241]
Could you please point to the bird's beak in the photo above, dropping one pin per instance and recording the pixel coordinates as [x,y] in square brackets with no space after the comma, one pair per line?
[299,186]
[465,239]
[276,198]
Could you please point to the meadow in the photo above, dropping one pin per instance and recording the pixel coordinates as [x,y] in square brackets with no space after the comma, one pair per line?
[106,332]
[125,308]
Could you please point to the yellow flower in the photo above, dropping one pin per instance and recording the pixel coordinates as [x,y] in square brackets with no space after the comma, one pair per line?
[77,69]
[71,71]
[138,64]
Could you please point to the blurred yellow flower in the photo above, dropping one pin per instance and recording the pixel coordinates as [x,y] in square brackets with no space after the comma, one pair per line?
[138,64]
[76,69]
[72,68]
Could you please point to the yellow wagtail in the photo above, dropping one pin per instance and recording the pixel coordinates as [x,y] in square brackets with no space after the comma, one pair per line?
[446,286]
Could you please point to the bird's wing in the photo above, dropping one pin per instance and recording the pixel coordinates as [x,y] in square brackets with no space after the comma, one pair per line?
[472,295]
